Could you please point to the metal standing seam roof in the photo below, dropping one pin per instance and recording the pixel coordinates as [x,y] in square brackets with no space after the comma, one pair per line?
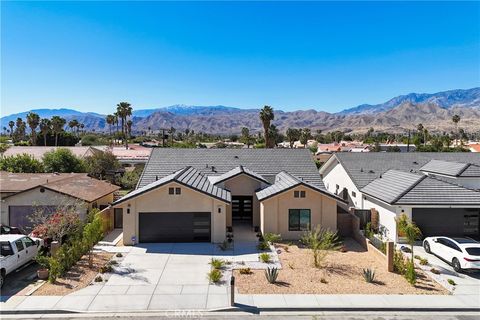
[392,185]
[235,172]
[363,168]
[448,168]
[215,162]
[285,181]
[187,176]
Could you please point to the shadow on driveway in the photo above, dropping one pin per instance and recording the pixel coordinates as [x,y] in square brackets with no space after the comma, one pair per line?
[17,281]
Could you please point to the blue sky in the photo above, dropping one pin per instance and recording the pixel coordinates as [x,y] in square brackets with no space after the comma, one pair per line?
[326,56]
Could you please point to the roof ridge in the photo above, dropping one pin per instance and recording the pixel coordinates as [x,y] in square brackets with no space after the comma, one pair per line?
[434,177]
[182,171]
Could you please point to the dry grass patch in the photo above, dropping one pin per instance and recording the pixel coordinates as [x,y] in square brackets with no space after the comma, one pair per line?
[343,275]
[78,277]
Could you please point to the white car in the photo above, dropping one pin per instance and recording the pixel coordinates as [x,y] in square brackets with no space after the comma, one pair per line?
[461,253]
[15,251]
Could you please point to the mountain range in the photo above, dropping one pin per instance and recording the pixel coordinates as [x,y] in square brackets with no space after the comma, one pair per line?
[403,112]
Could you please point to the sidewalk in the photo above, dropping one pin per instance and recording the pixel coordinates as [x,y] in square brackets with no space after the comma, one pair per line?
[256,303]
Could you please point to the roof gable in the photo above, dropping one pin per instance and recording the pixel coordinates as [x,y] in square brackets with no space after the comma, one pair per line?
[215,162]
[189,177]
[448,168]
[236,172]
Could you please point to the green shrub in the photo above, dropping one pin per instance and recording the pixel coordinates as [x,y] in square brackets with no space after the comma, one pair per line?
[410,273]
[265,257]
[245,271]
[321,241]
[369,275]
[368,230]
[263,245]
[399,265]
[217,263]
[271,274]
[423,261]
[417,257]
[21,163]
[323,280]
[119,255]
[98,279]
[214,276]
[62,160]
[451,282]
[106,268]
[272,237]
[112,262]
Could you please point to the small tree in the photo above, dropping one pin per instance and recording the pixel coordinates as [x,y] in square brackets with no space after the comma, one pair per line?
[92,233]
[62,160]
[21,163]
[321,241]
[100,163]
[409,229]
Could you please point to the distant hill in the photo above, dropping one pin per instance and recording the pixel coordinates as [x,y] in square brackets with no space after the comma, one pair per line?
[447,99]
[397,114]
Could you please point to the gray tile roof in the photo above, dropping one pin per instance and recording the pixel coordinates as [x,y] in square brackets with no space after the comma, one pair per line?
[432,191]
[363,168]
[392,185]
[187,176]
[235,172]
[215,162]
[448,168]
[285,181]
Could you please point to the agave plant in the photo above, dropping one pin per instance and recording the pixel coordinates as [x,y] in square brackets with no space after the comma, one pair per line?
[369,275]
[271,274]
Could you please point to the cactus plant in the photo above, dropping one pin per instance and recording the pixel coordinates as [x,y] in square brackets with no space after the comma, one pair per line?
[369,275]
[271,274]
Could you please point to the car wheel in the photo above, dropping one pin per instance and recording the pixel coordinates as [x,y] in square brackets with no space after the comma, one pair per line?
[456,265]
[426,246]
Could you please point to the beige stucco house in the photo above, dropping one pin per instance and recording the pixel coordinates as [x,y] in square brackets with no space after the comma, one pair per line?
[187,195]
[23,194]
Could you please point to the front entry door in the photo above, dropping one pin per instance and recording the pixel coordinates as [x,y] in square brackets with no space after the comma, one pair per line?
[118,218]
[242,207]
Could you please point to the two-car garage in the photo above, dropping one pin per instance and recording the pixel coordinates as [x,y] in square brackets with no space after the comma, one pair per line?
[447,221]
[174,227]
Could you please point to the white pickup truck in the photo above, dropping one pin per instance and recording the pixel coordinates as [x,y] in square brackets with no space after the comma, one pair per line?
[16,250]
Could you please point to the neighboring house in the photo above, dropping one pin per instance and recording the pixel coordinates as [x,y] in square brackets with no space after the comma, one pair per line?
[37,152]
[402,147]
[187,195]
[439,191]
[325,150]
[22,194]
[134,155]
[474,146]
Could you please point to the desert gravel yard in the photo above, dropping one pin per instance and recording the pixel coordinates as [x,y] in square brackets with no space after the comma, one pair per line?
[343,274]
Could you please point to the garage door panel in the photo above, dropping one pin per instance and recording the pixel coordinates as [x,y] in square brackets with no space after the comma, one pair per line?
[174,227]
[446,221]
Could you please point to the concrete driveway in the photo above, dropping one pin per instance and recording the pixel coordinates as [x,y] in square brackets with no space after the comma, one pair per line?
[467,283]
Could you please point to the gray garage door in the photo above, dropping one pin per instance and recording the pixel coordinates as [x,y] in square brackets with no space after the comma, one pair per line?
[21,216]
[447,222]
[174,227]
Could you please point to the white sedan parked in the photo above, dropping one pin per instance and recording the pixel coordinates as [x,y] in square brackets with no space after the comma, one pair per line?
[461,253]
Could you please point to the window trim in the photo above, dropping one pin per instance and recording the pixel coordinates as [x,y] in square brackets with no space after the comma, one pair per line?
[171,190]
[290,211]
[296,194]
[178,191]
[303,194]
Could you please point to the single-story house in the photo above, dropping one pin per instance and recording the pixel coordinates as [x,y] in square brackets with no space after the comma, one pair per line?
[440,192]
[23,194]
[187,195]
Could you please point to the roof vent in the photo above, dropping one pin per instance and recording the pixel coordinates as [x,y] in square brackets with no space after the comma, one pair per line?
[213,169]
[415,162]
[236,157]
[156,178]
[361,169]
[371,171]
[206,166]
[380,177]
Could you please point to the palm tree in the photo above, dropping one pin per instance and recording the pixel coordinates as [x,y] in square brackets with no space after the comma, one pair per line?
[129,128]
[456,120]
[57,126]
[45,127]
[20,130]
[73,124]
[124,110]
[11,124]
[81,126]
[266,116]
[305,134]
[292,136]
[246,137]
[33,120]
[110,119]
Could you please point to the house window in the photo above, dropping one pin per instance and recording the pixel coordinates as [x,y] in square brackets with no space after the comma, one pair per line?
[298,219]
[302,194]
[354,194]
[296,194]
[178,191]
[171,190]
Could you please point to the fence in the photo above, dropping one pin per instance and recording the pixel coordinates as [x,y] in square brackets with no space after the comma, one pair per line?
[107,219]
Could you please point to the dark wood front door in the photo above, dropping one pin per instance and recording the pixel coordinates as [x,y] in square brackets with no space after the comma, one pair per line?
[242,207]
